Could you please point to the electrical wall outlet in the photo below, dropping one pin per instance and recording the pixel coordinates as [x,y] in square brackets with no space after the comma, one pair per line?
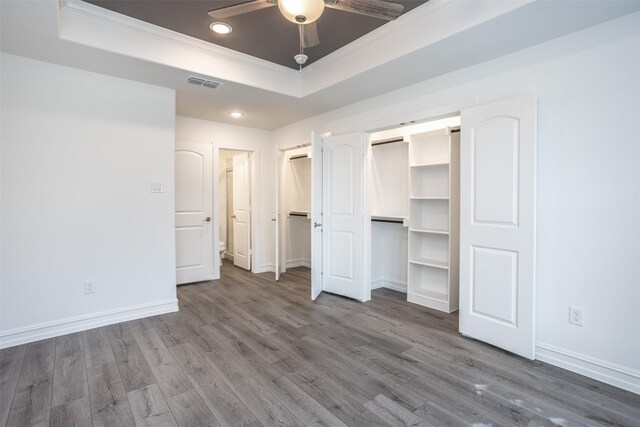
[576,316]
[89,287]
[156,187]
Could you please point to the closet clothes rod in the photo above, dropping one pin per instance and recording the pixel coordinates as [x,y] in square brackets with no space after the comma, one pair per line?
[391,221]
[300,156]
[390,141]
[298,214]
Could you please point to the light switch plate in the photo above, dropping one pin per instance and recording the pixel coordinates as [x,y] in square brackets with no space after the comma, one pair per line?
[156,187]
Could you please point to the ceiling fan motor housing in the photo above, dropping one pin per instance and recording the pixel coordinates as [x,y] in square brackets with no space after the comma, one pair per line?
[301,11]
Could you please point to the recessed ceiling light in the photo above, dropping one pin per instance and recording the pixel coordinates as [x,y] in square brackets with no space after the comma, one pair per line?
[236,114]
[220,28]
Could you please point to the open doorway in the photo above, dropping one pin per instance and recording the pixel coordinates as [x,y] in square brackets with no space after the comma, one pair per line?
[414,210]
[234,208]
[294,211]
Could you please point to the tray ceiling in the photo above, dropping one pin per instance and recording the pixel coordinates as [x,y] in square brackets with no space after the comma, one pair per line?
[264,34]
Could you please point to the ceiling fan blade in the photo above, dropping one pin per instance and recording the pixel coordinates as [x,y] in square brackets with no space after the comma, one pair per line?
[239,9]
[309,35]
[374,8]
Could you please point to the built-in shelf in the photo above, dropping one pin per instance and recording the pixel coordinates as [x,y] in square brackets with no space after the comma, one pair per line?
[430,263]
[428,231]
[432,278]
[430,165]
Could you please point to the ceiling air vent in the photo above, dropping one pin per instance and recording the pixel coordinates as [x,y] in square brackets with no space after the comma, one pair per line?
[202,82]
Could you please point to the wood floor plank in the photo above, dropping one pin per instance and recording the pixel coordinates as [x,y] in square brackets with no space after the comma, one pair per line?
[262,404]
[247,351]
[393,413]
[310,412]
[217,395]
[132,366]
[189,410]
[109,404]
[32,399]
[171,379]
[150,408]
[10,365]
[75,413]
[336,400]
[70,373]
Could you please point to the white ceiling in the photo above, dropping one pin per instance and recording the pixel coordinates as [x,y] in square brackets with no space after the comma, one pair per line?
[435,38]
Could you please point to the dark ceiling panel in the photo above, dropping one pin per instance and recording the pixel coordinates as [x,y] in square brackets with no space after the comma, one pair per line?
[265,33]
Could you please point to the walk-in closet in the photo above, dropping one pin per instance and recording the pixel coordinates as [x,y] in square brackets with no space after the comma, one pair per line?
[414,209]
[295,208]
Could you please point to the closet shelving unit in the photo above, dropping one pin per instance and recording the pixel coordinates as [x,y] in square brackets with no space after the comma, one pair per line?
[432,278]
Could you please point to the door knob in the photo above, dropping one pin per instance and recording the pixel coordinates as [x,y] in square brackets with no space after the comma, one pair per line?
[316,225]
[233,216]
[208,219]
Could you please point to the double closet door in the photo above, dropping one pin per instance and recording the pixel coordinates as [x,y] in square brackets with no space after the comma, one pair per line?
[497,223]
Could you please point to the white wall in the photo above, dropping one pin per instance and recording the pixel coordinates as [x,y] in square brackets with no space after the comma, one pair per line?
[259,142]
[78,153]
[588,177]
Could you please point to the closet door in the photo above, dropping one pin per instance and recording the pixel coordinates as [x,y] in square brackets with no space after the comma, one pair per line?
[316,216]
[497,224]
[242,211]
[342,201]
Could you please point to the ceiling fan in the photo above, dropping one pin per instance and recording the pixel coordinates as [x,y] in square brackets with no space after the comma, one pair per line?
[306,12]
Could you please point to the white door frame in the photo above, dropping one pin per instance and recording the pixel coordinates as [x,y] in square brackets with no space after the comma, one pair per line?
[254,159]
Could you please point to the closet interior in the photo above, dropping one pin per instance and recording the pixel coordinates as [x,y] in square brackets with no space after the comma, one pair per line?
[295,208]
[225,203]
[414,208]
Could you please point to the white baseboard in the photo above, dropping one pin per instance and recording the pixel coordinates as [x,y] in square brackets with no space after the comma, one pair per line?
[389,284]
[293,263]
[56,328]
[609,373]
[266,268]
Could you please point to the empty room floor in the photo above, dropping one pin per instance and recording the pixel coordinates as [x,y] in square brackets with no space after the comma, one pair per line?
[248,351]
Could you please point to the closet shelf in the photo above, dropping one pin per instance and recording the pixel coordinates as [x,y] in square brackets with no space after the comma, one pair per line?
[430,263]
[430,165]
[428,231]
[432,295]
[429,198]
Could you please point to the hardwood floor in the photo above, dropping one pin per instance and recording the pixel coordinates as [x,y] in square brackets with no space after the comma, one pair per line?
[247,351]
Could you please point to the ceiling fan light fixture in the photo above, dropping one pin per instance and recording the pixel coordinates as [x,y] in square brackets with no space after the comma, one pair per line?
[301,11]
[220,28]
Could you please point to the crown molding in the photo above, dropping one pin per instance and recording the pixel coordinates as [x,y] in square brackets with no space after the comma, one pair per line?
[421,27]
[87,24]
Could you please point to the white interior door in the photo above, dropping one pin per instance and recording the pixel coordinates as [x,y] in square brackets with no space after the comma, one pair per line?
[194,203]
[316,215]
[342,226]
[497,224]
[242,211]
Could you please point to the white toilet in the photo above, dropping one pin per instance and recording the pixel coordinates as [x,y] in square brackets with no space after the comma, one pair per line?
[223,247]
